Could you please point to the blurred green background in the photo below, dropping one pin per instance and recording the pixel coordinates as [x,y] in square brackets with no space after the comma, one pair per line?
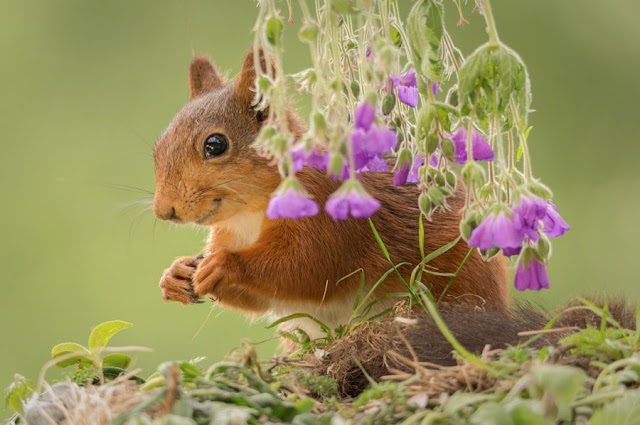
[86,87]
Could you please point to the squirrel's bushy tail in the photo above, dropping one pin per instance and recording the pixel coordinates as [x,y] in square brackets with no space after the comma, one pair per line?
[368,346]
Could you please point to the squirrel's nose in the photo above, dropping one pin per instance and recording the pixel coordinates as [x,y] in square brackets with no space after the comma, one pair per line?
[166,213]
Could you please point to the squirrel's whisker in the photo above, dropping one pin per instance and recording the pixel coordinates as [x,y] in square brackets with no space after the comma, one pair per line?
[145,201]
[126,187]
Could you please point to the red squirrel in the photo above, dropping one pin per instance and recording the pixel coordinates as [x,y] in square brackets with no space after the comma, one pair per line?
[208,173]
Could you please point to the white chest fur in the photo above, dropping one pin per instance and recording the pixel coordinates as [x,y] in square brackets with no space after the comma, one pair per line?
[244,229]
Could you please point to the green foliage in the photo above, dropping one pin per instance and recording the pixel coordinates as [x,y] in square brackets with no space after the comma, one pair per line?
[318,385]
[624,411]
[18,393]
[425,29]
[70,353]
[101,334]
[492,79]
[531,387]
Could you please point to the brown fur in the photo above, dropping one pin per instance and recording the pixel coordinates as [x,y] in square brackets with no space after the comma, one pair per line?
[290,261]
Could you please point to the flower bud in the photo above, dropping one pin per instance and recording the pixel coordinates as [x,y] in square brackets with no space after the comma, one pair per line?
[490,253]
[355,89]
[543,248]
[267,132]
[539,189]
[425,118]
[336,85]
[451,179]
[279,145]
[448,148]
[264,83]
[425,204]
[436,196]
[308,33]
[396,37]
[319,124]
[473,173]
[336,165]
[274,30]
[388,103]
[486,191]
[467,225]
[404,158]
[439,178]
[306,78]
[432,143]
[371,97]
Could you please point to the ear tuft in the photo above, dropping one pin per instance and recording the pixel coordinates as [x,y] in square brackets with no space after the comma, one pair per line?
[245,84]
[203,77]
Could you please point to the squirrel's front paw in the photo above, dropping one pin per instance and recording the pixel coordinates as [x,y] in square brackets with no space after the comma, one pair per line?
[214,270]
[176,283]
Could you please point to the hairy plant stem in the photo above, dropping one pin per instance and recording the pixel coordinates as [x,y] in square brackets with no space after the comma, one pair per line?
[494,40]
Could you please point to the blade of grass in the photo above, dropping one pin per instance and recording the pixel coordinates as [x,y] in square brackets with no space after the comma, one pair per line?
[435,254]
[455,275]
[446,332]
[360,285]
[421,234]
[323,326]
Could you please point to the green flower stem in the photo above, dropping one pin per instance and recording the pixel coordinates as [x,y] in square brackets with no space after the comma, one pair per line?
[491,23]
[526,158]
[335,35]
[470,189]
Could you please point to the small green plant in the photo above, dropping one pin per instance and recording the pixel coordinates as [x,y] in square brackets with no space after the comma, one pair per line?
[18,392]
[90,361]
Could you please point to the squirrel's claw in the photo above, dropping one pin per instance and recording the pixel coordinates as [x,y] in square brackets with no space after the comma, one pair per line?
[211,272]
[176,283]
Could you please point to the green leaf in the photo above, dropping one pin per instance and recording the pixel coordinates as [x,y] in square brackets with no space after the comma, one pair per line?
[519,152]
[119,360]
[425,29]
[324,327]
[110,373]
[443,111]
[423,125]
[459,400]
[497,75]
[623,411]
[18,393]
[526,412]
[102,333]
[563,382]
[66,348]
[491,413]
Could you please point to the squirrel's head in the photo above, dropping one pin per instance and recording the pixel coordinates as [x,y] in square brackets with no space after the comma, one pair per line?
[206,169]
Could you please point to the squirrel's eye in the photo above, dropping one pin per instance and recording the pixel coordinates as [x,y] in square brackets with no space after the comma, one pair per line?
[215,145]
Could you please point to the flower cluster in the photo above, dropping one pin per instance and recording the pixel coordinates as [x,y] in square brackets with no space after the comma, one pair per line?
[407,86]
[369,142]
[518,229]
[382,91]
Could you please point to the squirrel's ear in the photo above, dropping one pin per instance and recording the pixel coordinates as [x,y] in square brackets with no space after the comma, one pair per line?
[246,82]
[203,77]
